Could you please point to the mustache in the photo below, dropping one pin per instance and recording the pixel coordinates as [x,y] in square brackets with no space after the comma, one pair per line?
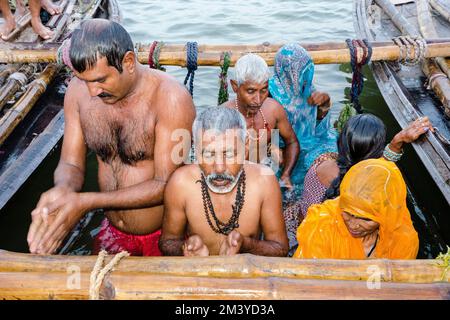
[104,95]
[222,176]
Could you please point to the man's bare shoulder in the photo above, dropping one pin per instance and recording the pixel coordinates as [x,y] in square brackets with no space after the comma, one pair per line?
[260,174]
[76,88]
[76,92]
[228,104]
[175,100]
[272,104]
[184,176]
[169,87]
[274,107]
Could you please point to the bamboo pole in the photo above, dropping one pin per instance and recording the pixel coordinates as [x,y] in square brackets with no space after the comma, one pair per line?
[35,285]
[4,74]
[440,85]
[427,29]
[240,266]
[55,18]
[93,8]
[400,22]
[321,55]
[266,47]
[443,11]
[60,21]
[21,108]
[12,85]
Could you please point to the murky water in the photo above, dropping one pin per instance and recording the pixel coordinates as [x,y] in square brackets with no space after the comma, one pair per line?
[236,21]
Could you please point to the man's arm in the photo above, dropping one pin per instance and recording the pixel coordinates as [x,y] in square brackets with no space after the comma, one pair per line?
[69,175]
[178,113]
[72,163]
[275,241]
[174,219]
[292,149]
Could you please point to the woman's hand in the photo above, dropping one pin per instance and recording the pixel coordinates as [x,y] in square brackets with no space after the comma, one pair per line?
[411,133]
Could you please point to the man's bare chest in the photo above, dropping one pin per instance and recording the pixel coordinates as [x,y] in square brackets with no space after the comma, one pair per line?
[127,136]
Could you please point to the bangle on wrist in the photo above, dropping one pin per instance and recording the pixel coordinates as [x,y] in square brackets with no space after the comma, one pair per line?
[391,155]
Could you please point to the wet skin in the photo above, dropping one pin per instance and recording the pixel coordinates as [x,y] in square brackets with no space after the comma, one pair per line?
[252,96]
[127,119]
[184,210]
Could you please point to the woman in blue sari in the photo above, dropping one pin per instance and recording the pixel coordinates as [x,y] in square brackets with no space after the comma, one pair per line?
[307,110]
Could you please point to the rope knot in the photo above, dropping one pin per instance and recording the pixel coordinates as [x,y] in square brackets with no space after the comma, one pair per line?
[191,64]
[153,55]
[225,62]
[63,54]
[99,272]
[406,45]
[357,63]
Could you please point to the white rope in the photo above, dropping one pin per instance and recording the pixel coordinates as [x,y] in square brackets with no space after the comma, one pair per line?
[99,272]
[406,44]
[19,77]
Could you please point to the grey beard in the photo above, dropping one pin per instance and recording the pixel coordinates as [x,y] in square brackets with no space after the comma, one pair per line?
[225,189]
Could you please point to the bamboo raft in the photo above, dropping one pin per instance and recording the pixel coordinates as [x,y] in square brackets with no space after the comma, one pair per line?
[31,95]
[24,276]
[404,89]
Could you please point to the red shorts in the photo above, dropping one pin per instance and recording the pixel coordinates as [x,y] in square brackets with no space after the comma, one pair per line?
[114,241]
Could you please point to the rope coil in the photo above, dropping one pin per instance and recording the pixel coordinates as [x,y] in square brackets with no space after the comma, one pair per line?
[432,78]
[19,77]
[99,272]
[357,63]
[153,55]
[225,60]
[412,50]
[63,54]
[191,64]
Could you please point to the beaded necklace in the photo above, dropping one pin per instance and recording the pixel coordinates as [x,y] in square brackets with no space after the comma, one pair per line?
[233,223]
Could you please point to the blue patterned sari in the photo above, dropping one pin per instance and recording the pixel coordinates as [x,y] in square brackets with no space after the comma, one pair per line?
[291,85]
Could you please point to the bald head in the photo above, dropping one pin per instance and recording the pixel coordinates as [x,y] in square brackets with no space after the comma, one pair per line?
[96,38]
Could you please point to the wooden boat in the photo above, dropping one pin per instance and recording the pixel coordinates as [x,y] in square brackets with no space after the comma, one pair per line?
[31,95]
[404,88]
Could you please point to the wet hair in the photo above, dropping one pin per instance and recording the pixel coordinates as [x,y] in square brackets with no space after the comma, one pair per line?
[363,137]
[97,38]
[219,119]
[251,67]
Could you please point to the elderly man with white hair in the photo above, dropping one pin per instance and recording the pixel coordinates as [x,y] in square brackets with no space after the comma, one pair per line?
[222,205]
[266,119]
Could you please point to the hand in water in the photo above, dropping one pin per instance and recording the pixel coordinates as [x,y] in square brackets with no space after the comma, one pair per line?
[57,212]
[232,244]
[194,246]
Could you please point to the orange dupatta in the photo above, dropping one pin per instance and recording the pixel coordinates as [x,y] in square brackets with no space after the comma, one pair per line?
[372,189]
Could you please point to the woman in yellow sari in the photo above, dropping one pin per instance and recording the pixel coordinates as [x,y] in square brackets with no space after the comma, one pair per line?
[369,219]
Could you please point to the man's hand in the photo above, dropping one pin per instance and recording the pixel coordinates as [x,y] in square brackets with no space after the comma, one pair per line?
[232,244]
[194,246]
[57,212]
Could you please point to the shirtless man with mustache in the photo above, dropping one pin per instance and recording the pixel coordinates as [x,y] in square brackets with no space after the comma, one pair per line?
[222,205]
[126,113]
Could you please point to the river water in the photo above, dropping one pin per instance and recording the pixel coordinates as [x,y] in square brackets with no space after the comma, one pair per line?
[253,21]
